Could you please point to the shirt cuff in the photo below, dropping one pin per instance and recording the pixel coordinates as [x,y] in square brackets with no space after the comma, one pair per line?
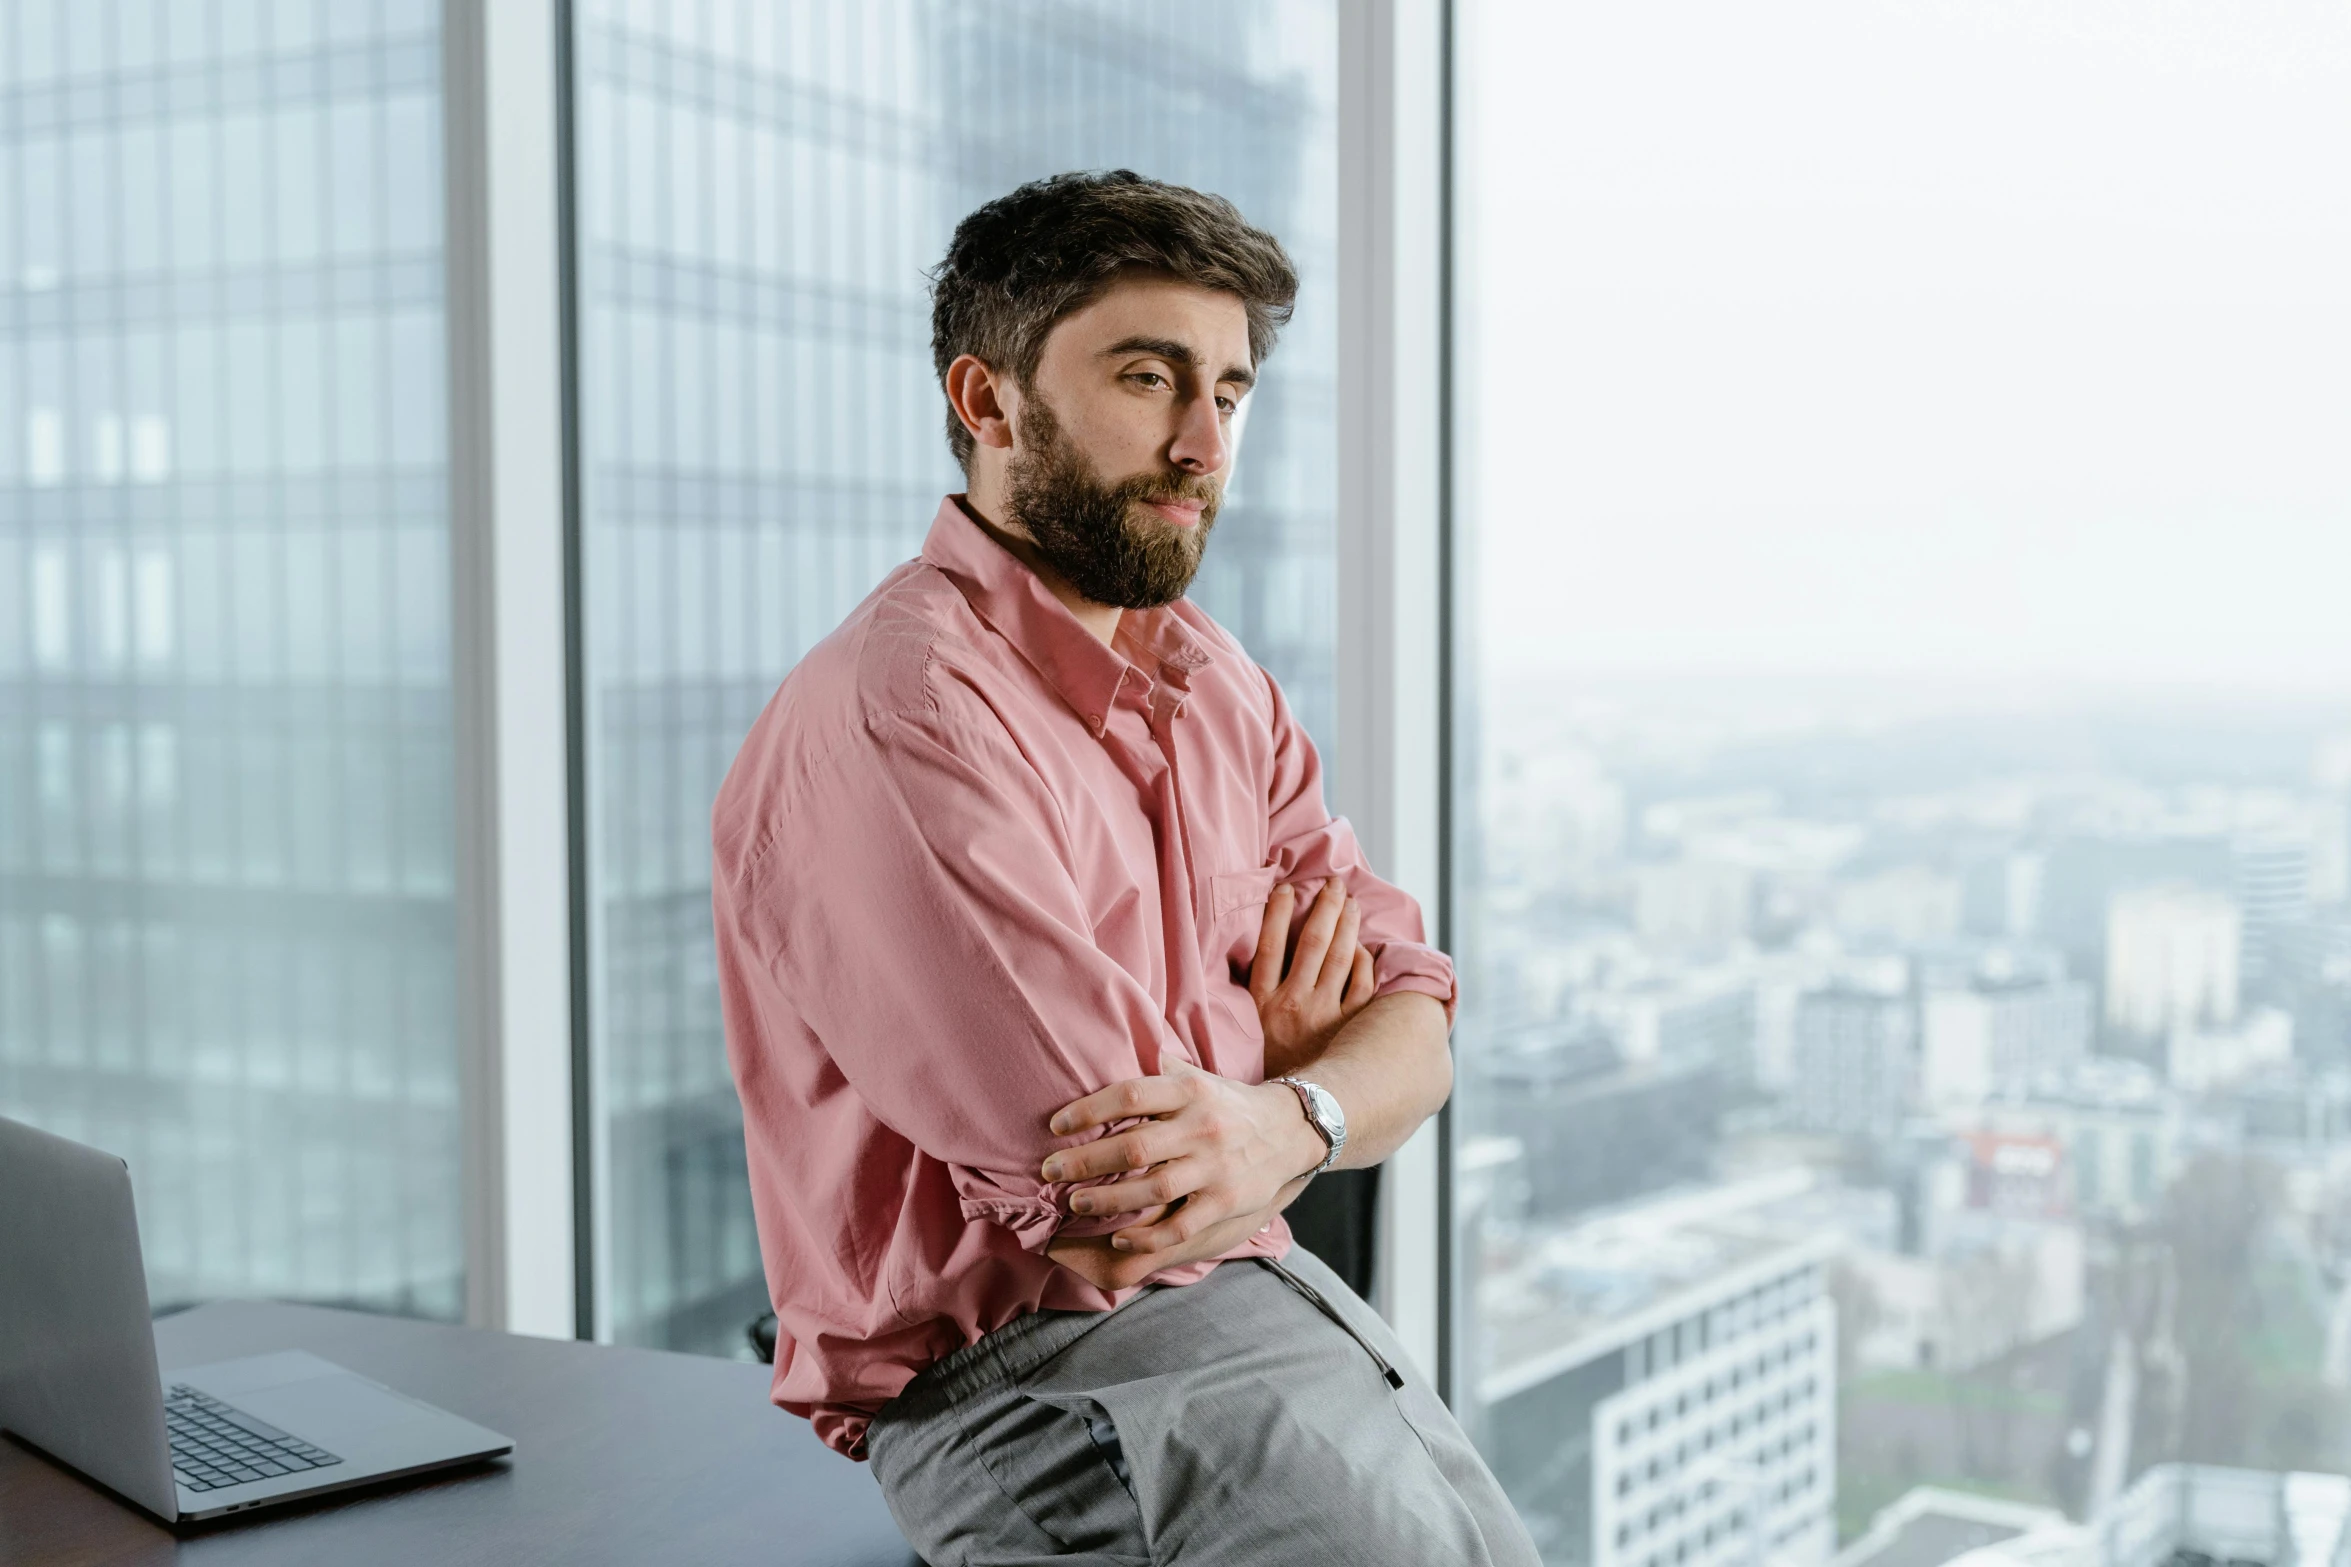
[1407,965]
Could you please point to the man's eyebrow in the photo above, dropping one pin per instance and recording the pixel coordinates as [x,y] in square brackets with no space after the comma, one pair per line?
[1176,353]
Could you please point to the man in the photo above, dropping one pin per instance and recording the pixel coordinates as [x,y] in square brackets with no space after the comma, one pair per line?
[1026,895]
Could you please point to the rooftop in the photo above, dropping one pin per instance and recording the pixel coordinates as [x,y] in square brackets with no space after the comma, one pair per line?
[1928,1526]
[1556,1297]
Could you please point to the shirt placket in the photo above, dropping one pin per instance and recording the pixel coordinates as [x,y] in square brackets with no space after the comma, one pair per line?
[1154,770]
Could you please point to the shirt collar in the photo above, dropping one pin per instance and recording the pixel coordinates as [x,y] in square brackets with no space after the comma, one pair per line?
[1007,595]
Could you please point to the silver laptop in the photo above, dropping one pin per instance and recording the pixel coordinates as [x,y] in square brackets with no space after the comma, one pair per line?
[78,1377]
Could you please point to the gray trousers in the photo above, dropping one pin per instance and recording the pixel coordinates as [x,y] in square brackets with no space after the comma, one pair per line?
[1235,1421]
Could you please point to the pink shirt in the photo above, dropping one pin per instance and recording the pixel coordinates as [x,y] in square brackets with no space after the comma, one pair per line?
[971,865]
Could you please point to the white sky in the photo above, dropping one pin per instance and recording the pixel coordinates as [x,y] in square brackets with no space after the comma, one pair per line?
[1975,340]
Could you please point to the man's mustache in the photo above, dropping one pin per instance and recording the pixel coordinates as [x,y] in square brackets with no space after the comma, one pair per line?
[1209,493]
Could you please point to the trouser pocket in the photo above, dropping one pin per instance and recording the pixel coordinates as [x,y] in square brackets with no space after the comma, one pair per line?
[1316,1299]
[1058,1458]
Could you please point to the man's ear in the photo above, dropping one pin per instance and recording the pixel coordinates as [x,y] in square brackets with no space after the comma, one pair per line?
[986,402]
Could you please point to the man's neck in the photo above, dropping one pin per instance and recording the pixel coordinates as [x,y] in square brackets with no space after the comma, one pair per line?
[1099,619]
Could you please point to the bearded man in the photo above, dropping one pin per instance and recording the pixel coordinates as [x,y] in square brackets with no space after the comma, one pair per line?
[1049,979]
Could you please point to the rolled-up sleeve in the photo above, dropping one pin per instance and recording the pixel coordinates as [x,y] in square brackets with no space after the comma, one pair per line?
[1308,844]
[937,859]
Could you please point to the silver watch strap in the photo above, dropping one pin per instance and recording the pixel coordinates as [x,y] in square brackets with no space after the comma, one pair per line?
[1335,1139]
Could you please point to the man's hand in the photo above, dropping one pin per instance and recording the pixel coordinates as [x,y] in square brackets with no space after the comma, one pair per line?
[1093,1259]
[1212,1155]
[1213,1161]
[1328,981]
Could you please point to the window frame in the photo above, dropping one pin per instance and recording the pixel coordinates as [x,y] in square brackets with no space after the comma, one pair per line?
[511,611]
[1393,673]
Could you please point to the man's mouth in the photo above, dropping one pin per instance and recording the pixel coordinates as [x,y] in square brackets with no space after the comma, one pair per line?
[1184,514]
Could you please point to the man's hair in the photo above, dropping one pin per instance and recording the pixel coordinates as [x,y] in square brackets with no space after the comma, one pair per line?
[1026,261]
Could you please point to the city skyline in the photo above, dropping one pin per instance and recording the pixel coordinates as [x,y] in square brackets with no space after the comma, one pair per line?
[1999,1017]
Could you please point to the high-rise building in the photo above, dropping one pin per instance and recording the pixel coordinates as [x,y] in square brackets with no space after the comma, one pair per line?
[1992,1031]
[2311,976]
[1905,906]
[1593,1128]
[2002,893]
[1700,904]
[2082,874]
[2123,1130]
[2172,959]
[2295,1113]
[227,917]
[1855,1062]
[1703,1018]
[762,188]
[2200,1059]
[2330,847]
[1657,1384]
[2273,876]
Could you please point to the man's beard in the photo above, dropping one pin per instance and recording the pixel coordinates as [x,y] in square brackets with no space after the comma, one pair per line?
[1096,534]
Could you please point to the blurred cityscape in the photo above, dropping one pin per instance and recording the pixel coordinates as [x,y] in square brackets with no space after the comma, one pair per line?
[1865,1105]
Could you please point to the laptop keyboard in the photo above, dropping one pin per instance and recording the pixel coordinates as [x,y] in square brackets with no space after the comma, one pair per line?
[215,1444]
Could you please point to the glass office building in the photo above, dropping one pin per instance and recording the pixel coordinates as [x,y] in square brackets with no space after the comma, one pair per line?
[761,189]
[225,739]
[226,749]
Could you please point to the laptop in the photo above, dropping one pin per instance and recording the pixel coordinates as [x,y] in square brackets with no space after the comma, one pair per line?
[78,1376]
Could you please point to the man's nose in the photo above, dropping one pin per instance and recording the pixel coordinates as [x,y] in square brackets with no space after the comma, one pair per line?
[1201,445]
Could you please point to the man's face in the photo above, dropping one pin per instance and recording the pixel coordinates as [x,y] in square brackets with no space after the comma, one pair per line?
[1123,438]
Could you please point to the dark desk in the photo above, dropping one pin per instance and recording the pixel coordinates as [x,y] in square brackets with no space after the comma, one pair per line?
[620,1455]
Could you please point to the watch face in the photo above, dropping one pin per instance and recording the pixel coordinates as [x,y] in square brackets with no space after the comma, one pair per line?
[1327,1111]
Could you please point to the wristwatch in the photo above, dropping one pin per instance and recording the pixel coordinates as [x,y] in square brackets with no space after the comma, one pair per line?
[1322,1108]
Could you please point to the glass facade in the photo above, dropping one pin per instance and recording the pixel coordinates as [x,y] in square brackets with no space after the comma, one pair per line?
[225,753]
[1904,859]
[761,188]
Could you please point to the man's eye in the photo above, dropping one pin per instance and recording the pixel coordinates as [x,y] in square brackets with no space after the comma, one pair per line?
[1227,405]
[1149,378]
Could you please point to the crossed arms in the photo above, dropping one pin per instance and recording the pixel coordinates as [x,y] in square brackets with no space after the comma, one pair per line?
[999,1011]
[1214,1160]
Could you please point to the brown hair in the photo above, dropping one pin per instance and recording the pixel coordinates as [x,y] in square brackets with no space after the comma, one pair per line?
[1026,261]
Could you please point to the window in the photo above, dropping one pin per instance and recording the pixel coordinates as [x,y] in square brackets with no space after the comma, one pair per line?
[1903,543]
[760,190]
[226,909]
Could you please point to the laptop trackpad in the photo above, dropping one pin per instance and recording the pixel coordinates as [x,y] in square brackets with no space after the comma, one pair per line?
[308,1397]
[332,1409]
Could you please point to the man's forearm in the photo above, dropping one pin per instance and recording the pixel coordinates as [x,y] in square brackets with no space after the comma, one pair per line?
[1391,1070]
[1208,1160]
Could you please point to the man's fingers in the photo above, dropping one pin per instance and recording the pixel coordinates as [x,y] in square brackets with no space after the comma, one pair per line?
[1137,1148]
[1119,1102]
[1216,1232]
[1265,969]
[1338,965]
[1154,1188]
[1362,980]
[1314,938]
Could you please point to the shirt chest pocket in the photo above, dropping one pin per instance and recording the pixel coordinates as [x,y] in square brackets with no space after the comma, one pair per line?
[1236,912]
